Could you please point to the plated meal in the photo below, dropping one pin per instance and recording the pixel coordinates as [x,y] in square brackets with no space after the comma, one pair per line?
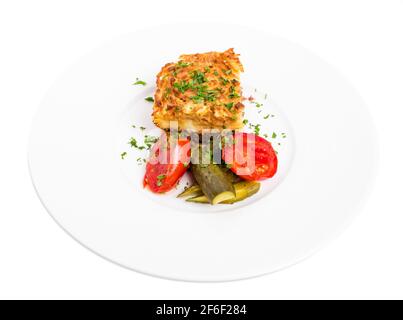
[271,126]
[198,103]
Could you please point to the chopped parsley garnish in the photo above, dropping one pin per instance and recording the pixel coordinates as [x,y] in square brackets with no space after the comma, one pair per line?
[224,81]
[206,69]
[149,99]
[266,117]
[215,73]
[233,93]
[257,104]
[203,94]
[123,155]
[133,143]
[139,82]
[149,140]
[182,86]
[160,178]
[229,105]
[142,128]
[198,77]
[245,122]
[228,72]
[140,161]
[257,129]
[182,64]
[274,135]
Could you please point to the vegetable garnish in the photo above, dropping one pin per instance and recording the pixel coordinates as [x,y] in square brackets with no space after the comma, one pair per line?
[182,64]
[166,166]
[213,182]
[139,82]
[257,163]
[149,99]
[133,142]
[229,105]
[123,155]
[243,190]
[198,77]
[257,104]
[233,93]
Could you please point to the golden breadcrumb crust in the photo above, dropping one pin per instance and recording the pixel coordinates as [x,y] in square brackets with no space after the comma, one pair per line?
[200,91]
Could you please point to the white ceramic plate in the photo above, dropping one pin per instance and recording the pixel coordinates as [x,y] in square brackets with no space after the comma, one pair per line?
[325,141]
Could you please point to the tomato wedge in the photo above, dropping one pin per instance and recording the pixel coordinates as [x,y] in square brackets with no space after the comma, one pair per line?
[166,164]
[250,157]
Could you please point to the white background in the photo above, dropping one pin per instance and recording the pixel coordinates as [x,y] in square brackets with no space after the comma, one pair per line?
[39,39]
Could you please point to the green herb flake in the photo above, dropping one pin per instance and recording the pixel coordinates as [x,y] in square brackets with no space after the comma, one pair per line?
[160,178]
[182,64]
[140,161]
[233,93]
[133,143]
[123,155]
[149,99]
[150,139]
[198,77]
[245,122]
[224,81]
[257,129]
[229,105]
[139,82]
[274,135]
[182,86]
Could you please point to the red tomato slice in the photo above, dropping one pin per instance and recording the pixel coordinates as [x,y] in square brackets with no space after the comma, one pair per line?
[166,165]
[251,157]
